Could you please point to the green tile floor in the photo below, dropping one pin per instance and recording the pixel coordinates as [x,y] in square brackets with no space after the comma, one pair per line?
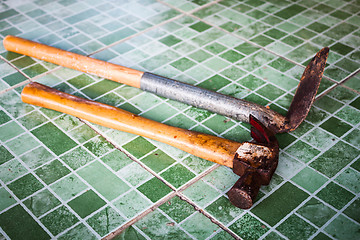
[65,178]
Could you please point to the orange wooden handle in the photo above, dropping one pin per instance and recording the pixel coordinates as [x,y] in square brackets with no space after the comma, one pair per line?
[75,61]
[205,146]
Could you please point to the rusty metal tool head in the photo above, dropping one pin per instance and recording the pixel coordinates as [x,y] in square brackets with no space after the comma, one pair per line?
[240,109]
[255,162]
[215,102]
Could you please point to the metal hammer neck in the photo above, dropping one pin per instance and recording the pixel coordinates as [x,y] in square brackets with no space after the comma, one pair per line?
[235,108]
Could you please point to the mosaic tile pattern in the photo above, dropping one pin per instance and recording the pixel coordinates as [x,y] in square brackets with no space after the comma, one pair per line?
[66,178]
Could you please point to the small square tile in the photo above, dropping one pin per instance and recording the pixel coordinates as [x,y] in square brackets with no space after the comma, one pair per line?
[25,186]
[353,210]
[197,164]
[99,146]
[319,139]
[180,121]
[59,220]
[249,227]
[78,232]
[335,195]
[296,228]
[302,151]
[200,26]
[201,193]
[309,179]
[154,221]
[5,155]
[270,91]
[105,221]
[41,202]
[251,82]
[336,126]
[328,104]
[215,64]
[11,170]
[285,139]
[200,55]
[316,212]
[158,161]
[17,223]
[139,147]
[22,143]
[86,203]
[183,64]
[132,204]
[328,163]
[281,64]
[177,209]
[99,88]
[116,160]
[6,200]
[58,141]
[343,228]
[246,48]
[35,70]
[349,179]
[349,114]
[177,175]
[281,202]
[223,210]
[10,130]
[232,56]
[68,187]
[77,157]
[218,123]
[103,180]
[51,172]
[204,227]
[290,11]
[154,189]
[262,40]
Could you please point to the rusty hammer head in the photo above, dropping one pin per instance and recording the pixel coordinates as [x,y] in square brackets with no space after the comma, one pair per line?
[255,163]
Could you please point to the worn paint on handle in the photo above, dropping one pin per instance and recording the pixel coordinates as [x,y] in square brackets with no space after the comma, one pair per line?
[75,61]
[212,148]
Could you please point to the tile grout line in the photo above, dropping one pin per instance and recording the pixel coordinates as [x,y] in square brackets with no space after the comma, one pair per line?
[99,50]
[19,71]
[88,55]
[237,36]
[47,186]
[161,201]
[341,84]
[324,94]
[259,46]
[207,215]
[176,192]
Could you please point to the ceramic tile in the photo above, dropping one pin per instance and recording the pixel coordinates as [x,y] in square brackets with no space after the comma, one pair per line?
[65,178]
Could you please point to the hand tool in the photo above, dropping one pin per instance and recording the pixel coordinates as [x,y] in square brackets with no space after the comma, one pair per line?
[254,162]
[235,108]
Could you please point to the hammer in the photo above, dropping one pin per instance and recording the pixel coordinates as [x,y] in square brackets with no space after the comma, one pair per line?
[255,162]
[235,108]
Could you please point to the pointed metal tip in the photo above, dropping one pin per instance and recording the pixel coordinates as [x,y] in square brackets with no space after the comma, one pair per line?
[307,89]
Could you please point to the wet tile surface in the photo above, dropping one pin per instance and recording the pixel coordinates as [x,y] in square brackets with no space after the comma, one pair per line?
[65,178]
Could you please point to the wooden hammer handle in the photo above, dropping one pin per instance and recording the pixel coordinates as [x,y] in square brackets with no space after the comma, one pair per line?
[205,146]
[75,61]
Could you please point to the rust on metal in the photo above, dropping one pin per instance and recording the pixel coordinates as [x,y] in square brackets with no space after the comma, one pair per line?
[255,163]
[235,108]
[306,90]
